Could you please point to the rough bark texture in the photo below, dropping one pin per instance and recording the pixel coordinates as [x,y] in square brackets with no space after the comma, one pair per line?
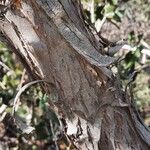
[55,44]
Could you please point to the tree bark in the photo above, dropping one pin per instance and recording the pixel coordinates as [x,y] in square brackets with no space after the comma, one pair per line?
[55,44]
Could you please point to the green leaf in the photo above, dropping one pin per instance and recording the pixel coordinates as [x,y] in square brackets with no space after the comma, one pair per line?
[114,2]
[116,18]
[42,102]
[119,15]
[109,8]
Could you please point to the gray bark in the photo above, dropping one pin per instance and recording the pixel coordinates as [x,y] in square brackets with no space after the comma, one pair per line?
[55,44]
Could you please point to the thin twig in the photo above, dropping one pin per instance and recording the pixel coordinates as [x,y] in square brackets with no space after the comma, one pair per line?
[5,66]
[54,135]
[16,100]
[22,79]
[102,22]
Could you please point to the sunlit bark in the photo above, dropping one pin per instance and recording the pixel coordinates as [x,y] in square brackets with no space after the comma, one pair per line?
[54,44]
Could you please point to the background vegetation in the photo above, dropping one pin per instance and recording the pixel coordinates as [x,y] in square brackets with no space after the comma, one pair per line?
[114,20]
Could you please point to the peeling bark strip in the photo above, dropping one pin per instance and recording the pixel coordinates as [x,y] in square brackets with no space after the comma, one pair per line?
[70,32]
[54,44]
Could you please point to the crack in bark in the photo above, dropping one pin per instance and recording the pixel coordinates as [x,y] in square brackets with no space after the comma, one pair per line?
[72,38]
[82,49]
[24,46]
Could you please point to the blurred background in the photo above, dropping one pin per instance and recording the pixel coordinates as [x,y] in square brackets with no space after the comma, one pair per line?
[114,20]
[129,20]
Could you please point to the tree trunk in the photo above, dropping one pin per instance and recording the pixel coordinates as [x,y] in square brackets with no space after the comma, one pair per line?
[55,44]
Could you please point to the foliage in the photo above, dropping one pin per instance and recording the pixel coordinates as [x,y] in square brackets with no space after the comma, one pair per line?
[10,75]
[33,108]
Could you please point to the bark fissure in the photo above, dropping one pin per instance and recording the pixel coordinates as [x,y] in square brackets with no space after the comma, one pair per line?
[83,49]
[56,47]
